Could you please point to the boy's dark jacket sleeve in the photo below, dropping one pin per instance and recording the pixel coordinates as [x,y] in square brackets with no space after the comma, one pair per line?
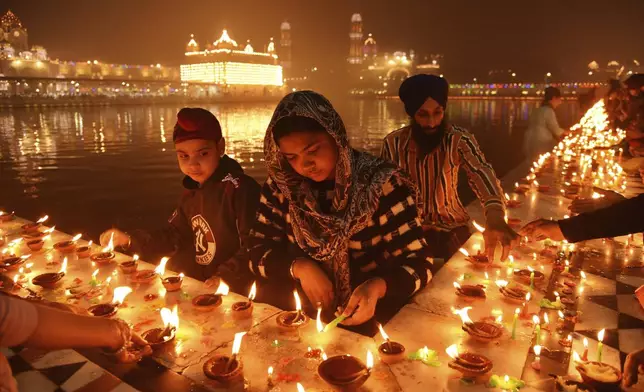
[623,218]
[175,234]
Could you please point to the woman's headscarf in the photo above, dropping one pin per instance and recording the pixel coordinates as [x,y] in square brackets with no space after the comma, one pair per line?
[358,186]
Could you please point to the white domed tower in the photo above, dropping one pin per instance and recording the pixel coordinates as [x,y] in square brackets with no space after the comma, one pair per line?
[13,32]
[285,47]
[192,46]
[355,39]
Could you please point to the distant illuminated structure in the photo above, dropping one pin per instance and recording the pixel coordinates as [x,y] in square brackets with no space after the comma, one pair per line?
[224,63]
[370,47]
[285,47]
[355,40]
[14,42]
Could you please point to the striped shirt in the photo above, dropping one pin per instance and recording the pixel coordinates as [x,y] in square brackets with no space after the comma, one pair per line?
[437,175]
[391,247]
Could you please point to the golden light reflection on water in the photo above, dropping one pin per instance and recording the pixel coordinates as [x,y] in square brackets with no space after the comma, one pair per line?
[123,155]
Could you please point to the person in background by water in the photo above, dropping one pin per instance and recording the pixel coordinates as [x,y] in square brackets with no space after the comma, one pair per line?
[543,131]
[341,223]
[207,233]
[634,123]
[36,325]
[432,151]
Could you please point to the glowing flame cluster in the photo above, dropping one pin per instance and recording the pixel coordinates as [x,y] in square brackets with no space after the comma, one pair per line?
[119,295]
[465,318]
[160,269]
[170,317]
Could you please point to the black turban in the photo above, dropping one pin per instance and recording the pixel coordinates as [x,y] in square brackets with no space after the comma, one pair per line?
[415,90]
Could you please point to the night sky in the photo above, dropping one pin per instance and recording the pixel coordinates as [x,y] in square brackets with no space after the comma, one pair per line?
[529,37]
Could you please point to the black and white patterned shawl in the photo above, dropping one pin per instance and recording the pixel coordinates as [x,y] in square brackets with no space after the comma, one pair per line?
[359,184]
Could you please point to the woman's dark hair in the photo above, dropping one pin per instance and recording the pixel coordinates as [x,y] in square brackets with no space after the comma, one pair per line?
[550,93]
[292,124]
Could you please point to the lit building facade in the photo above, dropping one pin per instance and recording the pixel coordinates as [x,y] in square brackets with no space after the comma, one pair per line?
[355,40]
[231,69]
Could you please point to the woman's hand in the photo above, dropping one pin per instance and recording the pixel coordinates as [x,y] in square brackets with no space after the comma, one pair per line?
[137,349]
[542,229]
[213,281]
[316,284]
[634,361]
[363,301]
[497,230]
[120,238]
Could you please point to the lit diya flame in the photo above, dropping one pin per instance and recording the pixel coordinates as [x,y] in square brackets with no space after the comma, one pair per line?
[383,333]
[134,258]
[110,244]
[600,335]
[63,267]
[94,274]
[160,269]
[465,318]
[119,295]
[298,303]
[369,360]
[575,356]
[527,297]
[452,351]
[546,320]
[170,318]
[300,388]
[456,285]
[507,197]
[501,283]
[76,237]
[50,230]
[560,314]
[465,252]
[318,321]
[537,350]
[253,292]
[223,289]
[43,219]
[237,342]
[582,274]
[478,227]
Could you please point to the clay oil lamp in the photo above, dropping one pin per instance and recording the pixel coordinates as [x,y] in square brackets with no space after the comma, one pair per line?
[130,266]
[566,342]
[542,187]
[106,255]
[49,280]
[529,276]
[479,260]
[511,203]
[345,372]
[159,337]
[13,263]
[110,309]
[470,292]
[67,246]
[599,375]
[470,365]
[244,309]
[481,331]
[84,251]
[521,188]
[292,320]
[390,352]
[226,371]
[536,364]
[173,283]
[34,227]
[148,276]
[514,223]
[208,302]
[512,294]
[38,235]
[7,216]
[37,244]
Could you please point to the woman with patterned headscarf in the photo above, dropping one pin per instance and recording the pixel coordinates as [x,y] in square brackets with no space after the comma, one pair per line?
[340,224]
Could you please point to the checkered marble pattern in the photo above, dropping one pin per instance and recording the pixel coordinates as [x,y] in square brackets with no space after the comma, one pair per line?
[60,371]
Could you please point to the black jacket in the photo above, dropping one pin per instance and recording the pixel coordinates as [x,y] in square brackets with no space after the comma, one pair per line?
[207,234]
[623,218]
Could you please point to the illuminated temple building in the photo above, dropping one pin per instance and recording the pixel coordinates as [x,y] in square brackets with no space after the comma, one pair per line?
[222,69]
[226,65]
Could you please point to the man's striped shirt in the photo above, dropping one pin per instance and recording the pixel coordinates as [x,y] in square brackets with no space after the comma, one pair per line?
[437,175]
